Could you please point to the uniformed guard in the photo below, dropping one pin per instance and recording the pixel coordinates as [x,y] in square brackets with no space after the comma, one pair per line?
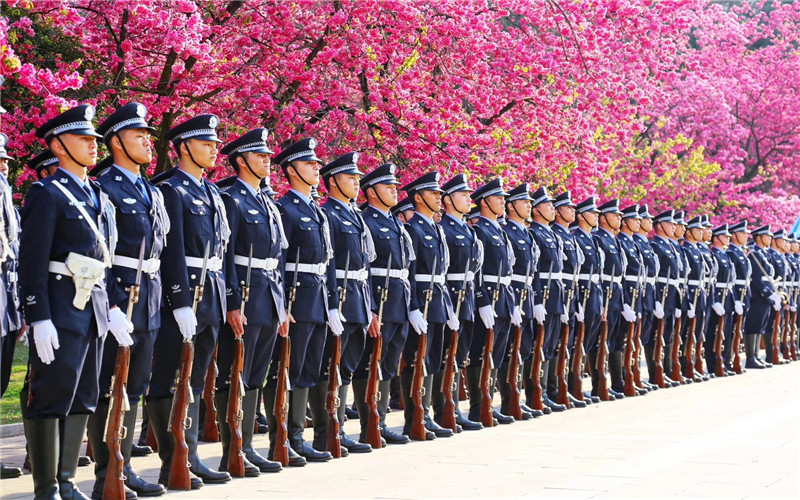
[651,265]
[589,288]
[722,307]
[573,261]
[704,310]
[633,281]
[12,324]
[427,271]
[44,164]
[197,222]
[776,253]
[498,263]
[764,293]
[141,216]
[526,255]
[353,250]
[696,298]
[254,253]
[394,254]
[404,210]
[306,258]
[741,288]
[67,243]
[466,254]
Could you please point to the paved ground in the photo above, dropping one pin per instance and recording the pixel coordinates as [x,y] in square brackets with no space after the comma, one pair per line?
[728,438]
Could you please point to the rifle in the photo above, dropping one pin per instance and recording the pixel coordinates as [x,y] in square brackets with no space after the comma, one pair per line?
[538,352]
[515,357]
[210,432]
[719,368]
[449,375]
[487,418]
[689,352]
[786,333]
[793,333]
[630,387]
[562,369]
[373,394]
[737,336]
[281,407]
[699,351]
[578,351]
[418,432]
[676,338]
[658,350]
[179,478]
[335,378]
[235,415]
[602,349]
[776,326]
[115,431]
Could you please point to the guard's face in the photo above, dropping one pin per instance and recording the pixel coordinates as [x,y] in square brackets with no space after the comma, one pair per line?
[680,230]
[203,152]
[633,224]
[138,144]
[433,199]
[739,237]
[547,211]
[647,224]
[567,213]
[387,193]
[614,221]
[461,201]
[259,162]
[83,148]
[590,218]
[707,234]
[348,184]
[309,170]
[668,228]
[4,167]
[522,207]
[497,204]
[794,246]
[725,240]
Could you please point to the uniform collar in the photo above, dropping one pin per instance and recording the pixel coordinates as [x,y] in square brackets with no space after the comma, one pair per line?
[127,173]
[458,221]
[76,178]
[301,196]
[247,186]
[490,221]
[340,202]
[517,224]
[198,182]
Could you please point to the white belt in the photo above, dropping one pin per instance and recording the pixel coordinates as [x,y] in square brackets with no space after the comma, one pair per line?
[740,282]
[360,275]
[650,281]
[380,272]
[671,281]
[59,268]
[265,264]
[608,277]
[318,269]
[586,277]
[427,278]
[724,285]
[149,266]
[461,276]
[214,263]
[693,282]
[503,280]
[550,276]
[520,278]
[631,277]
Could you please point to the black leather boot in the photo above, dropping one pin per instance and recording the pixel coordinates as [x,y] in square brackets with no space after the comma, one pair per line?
[133,480]
[317,404]
[221,397]
[430,424]
[297,424]
[389,435]
[474,388]
[196,466]
[43,452]
[548,403]
[295,460]
[249,404]
[349,444]
[72,431]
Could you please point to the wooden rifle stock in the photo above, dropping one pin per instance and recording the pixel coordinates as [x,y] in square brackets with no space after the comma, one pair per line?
[675,358]
[234,414]
[462,387]
[448,383]
[562,368]
[537,400]
[210,429]
[793,336]
[179,478]
[602,360]
[630,387]
[487,419]
[577,362]
[719,362]
[737,339]
[373,395]
[418,390]
[785,337]
[281,408]
[776,327]
[658,356]
[637,373]
[332,398]
[514,406]
[689,353]
[115,432]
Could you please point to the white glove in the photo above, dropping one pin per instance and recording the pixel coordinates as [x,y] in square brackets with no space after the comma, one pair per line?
[452,320]
[793,308]
[579,314]
[335,322]
[24,339]
[718,308]
[691,312]
[46,339]
[678,313]
[487,315]
[187,323]
[564,318]
[738,307]
[120,327]
[776,301]
[628,313]
[539,313]
[658,312]
[516,316]
[419,323]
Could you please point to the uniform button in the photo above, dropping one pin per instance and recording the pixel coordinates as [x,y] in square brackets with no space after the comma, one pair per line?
[133,211]
[58,277]
[193,276]
[119,280]
[80,216]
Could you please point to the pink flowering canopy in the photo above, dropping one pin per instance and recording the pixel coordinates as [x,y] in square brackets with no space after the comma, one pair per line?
[679,103]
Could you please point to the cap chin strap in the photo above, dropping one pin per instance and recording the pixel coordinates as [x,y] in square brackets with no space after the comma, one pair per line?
[514,208]
[291,165]
[333,178]
[486,202]
[58,138]
[246,164]
[191,157]
[583,216]
[380,199]
[125,150]
[426,202]
[453,204]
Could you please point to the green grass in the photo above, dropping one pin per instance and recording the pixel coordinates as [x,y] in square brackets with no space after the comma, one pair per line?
[9,405]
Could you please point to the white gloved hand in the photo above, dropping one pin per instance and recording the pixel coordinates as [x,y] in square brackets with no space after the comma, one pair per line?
[45,337]
[658,312]
[335,322]
[738,307]
[487,315]
[419,323]
[564,318]
[23,339]
[628,314]
[539,313]
[678,313]
[187,322]
[718,308]
[452,320]
[579,314]
[793,308]
[691,312]
[516,316]
[776,301]
[120,327]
